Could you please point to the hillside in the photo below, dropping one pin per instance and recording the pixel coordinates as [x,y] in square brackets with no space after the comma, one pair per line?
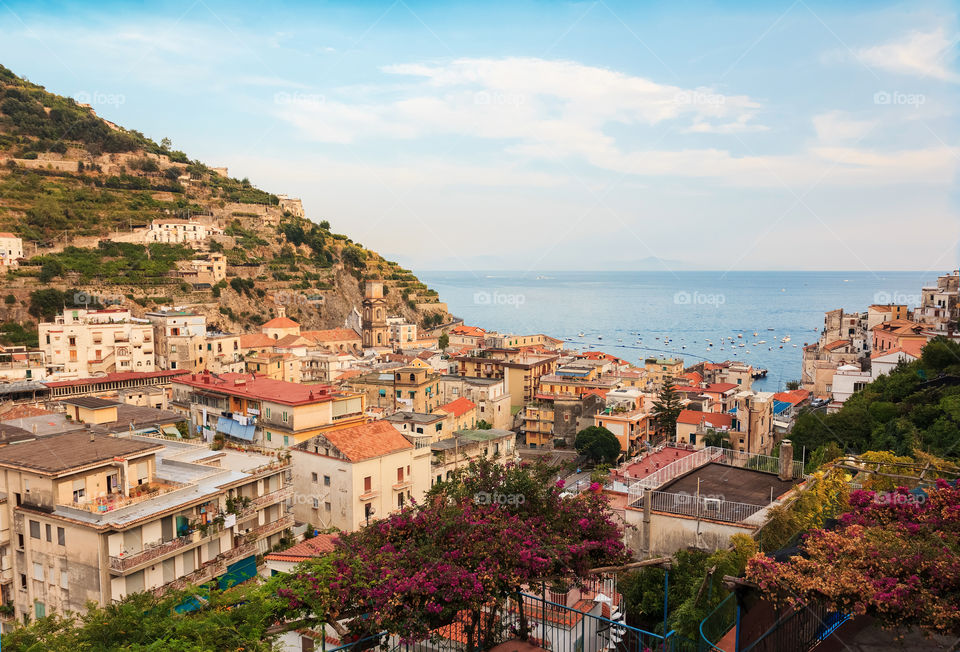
[82,191]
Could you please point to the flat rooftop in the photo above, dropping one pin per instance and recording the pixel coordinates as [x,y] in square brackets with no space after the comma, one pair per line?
[733,483]
[653,462]
[61,453]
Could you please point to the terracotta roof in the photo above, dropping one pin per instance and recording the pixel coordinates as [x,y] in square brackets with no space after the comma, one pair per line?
[367,440]
[474,331]
[331,335]
[458,407]
[116,377]
[836,344]
[7,234]
[693,377]
[254,340]
[23,412]
[913,348]
[280,322]
[291,340]
[720,387]
[259,388]
[713,419]
[602,393]
[313,547]
[792,396]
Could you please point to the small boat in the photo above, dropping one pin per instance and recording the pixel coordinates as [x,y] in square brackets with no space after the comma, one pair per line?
[739,336]
[685,346]
[741,345]
[794,346]
[770,329]
[580,334]
[754,333]
[599,337]
[762,342]
[786,339]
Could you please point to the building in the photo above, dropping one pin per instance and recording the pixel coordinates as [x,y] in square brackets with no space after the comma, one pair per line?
[97,518]
[693,426]
[469,337]
[462,413]
[262,411]
[180,336]
[895,333]
[752,428]
[110,384]
[520,371]
[82,343]
[402,333]
[886,361]
[203,272]
[375,331]
[555,419]
[847,380]
[348,478]
[21,363]
[660,369]
[489,394]
[286,560]
[277,366]
[938,304]
[342,340]
[280,327]
[466,446]
[179,231]
[410,389]
[419,427]
[629,420]
[11,249]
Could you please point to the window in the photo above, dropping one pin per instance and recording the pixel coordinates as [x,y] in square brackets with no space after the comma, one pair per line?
[173,348]
[23,581]
[314,477]
[439,427]
[34,529]
[327,506]
[269,436]
[284,417]
[61,536]
[400,501]
[316,503]
[367,483]
[326,481]
[37,571]
[39,609]
[398,393]
[266,412]
[383,392]
[400,474]
[286,440]
[64,580]
[49,533]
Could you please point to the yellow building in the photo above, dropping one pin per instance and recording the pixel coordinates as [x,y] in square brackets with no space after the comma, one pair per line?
[520,371]
[411,389]
[659,369]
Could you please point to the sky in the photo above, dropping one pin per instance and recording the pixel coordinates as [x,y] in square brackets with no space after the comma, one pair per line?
[549,135]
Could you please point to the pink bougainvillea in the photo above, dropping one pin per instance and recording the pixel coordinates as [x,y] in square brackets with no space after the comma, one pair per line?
[894,556]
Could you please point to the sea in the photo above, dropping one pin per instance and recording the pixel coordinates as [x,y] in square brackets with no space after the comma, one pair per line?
[635,315]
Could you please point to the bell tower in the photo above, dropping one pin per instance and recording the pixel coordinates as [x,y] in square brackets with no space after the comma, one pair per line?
[374,317]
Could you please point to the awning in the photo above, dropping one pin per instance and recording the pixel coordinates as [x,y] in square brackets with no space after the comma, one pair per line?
[172,431]
[231,428]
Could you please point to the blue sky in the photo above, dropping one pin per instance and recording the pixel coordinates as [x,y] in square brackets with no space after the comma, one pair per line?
[547,135]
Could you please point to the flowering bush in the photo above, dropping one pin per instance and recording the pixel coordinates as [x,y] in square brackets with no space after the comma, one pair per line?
[422,567]
[894,556]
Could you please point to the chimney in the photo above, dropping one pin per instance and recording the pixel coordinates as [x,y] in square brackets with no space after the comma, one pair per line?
[786,460]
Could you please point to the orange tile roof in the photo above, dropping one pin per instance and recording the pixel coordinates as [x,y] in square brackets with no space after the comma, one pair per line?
[693,377]
[792,396]
[291,340]
[474,331]
[280,322]
[602,393]
[313,547]
[7,234]
[331,335]
[23,412]
[713,419]
[720,387]
[458,407]
[258,387]
[836,344]
[367,440]
[256,340]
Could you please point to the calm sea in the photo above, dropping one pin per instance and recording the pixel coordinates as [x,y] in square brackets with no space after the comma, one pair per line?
[629,314]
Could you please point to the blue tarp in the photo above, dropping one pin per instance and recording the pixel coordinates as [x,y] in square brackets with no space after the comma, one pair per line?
[234,429]
[779,407]
[241,571]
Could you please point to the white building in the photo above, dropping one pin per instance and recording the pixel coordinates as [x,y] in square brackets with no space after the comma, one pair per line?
[179,231]
[11,249]
[81,343]
[847,380]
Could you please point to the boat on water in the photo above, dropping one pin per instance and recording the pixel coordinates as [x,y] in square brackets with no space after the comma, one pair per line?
[762,342]
[755,333]
[786,338]
[770,329]
[739,336]
[580,334]
[741,345]
[599,337]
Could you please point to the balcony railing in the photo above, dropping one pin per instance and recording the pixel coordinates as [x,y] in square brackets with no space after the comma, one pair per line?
[124,562]
[269,528]
[211,569]
[266,499]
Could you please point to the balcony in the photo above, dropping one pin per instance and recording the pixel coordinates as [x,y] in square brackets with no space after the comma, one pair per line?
[269,528]
[208,571]
[402,484]
[152,551]
[139,494]
[369,495]
[264,500]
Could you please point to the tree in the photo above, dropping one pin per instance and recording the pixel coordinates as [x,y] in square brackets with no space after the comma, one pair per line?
[166,143]
[443,341]
[483,425]
[666,409]
[792,385]
[718,438]
[598,444]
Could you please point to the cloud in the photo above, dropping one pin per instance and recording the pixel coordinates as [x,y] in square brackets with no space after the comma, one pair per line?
[835,126]
[920,54]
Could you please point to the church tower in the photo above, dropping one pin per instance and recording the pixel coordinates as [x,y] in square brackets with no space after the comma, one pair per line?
[374,321]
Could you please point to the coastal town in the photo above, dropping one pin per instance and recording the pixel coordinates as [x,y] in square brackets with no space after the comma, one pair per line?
[149,450]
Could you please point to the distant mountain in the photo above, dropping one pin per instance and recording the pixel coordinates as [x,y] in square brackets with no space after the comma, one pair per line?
[81,190]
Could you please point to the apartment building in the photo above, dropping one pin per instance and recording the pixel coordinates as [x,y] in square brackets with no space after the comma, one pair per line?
[489,394]
[403,334]
[411,389]
[80,343]
[520,371]
[555,419]
[179,231]
[694,426]
[277,366]
[180,336]
[262,411]
[96,518]
[466,446]
[205,271]
[21,363]
[348,478]
[751,430]
[660,369]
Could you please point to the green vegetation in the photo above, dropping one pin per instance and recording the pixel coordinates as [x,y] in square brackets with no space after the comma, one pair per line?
[666,409]
[113,262]
[14,334]
[598,444]
[914,408]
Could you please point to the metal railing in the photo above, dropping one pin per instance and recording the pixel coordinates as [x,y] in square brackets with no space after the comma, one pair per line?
[799,631]
[709,454]
[718,622]
[705,507]
[550,626]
